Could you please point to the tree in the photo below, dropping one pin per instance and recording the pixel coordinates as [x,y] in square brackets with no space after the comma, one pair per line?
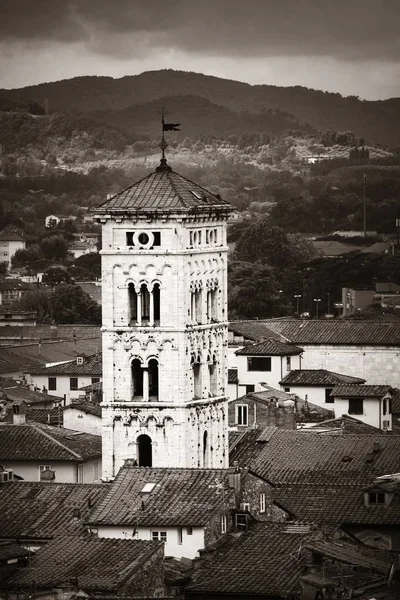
[272,246]
[54,247]
[55,276]
[71,304]
[254,291]
[39,300]
[26,256]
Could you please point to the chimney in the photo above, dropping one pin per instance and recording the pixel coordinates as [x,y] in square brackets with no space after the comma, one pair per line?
[19,412]
[235,480]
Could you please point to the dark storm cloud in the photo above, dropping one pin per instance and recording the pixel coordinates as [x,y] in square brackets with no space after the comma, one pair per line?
[345,29]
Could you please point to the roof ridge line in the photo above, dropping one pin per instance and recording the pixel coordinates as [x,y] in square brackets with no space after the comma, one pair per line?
[48,436]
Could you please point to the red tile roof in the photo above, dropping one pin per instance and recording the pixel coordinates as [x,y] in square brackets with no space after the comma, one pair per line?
[269,347]
[304,456]
[41,510]
[12,234]
[52,416]
[264,560]
[320,331]
[332,504]
[164,191]
[92,365]
[347,424]
[360,391]
[317,377]
[35,441]
[98,565]
[86,407]
[186,497]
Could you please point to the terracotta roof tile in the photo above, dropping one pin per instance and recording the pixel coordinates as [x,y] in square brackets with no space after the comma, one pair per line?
[86,407]
[269,347]
[52,416]
[35,441]
[262,561]
[99,565]
[92,365]
[347,424]
[41,509]
[320,331]
[335,504]
[184,497]
[163,191]
[360,391]
[292,456]
[317,377]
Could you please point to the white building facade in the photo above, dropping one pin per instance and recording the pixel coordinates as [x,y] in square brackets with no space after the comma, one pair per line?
[164,298]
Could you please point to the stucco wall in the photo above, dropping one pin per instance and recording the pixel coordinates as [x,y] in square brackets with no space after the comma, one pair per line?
[80,421]
[272,378]
[189,548]
[376,364]
[66,471]
[63,385]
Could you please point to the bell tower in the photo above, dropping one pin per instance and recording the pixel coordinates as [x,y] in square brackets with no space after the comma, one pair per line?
[164,330]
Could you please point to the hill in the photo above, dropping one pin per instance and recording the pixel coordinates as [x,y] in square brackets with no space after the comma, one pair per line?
[374,120]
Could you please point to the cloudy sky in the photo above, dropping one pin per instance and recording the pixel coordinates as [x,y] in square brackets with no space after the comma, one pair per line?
[346,46]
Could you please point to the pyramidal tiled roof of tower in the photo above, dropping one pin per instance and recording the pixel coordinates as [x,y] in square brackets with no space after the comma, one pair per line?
[163,190]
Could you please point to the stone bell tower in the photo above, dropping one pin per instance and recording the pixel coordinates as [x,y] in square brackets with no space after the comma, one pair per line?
[164,282]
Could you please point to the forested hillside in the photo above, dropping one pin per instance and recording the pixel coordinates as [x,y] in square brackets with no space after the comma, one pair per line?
[377,121]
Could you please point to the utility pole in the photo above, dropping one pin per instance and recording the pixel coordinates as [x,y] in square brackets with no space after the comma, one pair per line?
[365,204]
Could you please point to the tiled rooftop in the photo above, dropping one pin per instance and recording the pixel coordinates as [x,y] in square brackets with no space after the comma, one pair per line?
[317,377]
[48,332]
[92,365]
[263,560]
[360,391]
[346,424]
[98,565]
[322,331]
[86,407]
[269,347]
[184,497]
[295,456]
[52,416]
[35,441]
[40,510]
[332,504]
[12,283]
[15,391]
[163,191]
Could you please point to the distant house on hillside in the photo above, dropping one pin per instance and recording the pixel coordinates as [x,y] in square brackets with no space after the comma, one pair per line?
[12,290]
[11,240]
[17,318]
[52,220]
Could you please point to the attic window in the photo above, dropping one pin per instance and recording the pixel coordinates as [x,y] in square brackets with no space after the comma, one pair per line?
[148,487]
[79,360]
[32,493]
[376,498]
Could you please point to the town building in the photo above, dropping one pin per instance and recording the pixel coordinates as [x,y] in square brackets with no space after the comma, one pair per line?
[11,240]
[315,386]
[371,404]
[365,349]
[37,452]
[12,290]
[16,317]
[267,361]
[65,379]
[187,509]
[83,416]
[164,282]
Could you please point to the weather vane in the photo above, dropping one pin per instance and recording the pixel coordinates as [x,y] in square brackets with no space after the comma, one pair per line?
[163,143]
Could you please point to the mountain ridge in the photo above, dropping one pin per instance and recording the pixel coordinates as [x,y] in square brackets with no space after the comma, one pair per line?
[375,120]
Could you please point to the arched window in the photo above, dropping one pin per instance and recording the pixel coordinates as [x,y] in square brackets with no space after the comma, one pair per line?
[156,303]
[213,377]
[137,378]
[153,379]
[132,295]
[205,449]
[197,306]
[145,304]
[197,391]
[144,451]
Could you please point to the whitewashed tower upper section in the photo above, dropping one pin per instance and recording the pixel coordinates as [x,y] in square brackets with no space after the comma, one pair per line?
[164,301]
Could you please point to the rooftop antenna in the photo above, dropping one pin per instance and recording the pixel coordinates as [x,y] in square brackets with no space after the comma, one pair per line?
[163,144]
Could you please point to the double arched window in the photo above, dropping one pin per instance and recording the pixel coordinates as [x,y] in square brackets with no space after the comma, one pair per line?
[145,380]
[144,304]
